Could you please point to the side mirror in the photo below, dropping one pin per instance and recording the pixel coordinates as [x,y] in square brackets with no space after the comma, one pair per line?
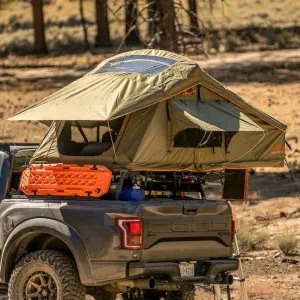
[6,161]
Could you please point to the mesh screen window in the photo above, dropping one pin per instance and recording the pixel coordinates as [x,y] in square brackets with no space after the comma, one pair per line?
[197,138]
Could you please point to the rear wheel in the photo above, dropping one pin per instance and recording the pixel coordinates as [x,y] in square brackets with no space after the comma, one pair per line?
[46,275]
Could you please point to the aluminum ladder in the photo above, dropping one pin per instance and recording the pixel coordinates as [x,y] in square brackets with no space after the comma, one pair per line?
[240,278]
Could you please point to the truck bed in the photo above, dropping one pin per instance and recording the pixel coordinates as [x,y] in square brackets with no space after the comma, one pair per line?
[174,230]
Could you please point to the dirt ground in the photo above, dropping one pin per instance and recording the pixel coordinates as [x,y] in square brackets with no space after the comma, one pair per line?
[269,81]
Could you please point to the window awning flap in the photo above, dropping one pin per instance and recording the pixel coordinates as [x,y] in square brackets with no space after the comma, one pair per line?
[216,116]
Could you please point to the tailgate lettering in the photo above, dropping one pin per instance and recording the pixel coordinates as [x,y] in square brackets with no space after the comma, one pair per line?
[159,227]
[219,226]
[181,227]
[189,226]
[201,226]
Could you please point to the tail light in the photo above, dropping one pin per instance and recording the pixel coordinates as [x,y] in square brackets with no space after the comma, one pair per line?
[233,230]
[131,230]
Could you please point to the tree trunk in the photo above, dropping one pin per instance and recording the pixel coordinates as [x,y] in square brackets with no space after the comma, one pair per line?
[131,20]
[168,37]
[102,37]
[194,26]
[152,15]
[40,45]
[84,26]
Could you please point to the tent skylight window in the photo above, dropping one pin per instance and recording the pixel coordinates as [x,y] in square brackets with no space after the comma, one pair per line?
[142,64]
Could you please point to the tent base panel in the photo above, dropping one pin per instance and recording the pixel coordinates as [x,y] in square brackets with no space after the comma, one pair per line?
[210,168]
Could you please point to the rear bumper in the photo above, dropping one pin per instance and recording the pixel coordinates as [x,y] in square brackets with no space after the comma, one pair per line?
[205,271]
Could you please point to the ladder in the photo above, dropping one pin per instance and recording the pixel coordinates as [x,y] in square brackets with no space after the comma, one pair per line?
[240,279]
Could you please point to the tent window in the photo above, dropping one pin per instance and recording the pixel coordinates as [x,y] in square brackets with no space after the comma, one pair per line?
[86,139]
[142,64]
[197,138]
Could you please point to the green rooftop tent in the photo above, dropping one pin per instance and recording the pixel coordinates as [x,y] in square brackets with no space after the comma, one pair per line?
[154,110]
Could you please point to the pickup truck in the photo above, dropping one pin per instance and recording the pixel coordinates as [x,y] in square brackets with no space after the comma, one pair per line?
[67,248]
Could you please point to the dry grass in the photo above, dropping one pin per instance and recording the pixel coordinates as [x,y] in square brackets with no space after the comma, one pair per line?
[287,243]
[265,24]
[265,288]
[63,27]
[233,14]
[236,14]
[250,240]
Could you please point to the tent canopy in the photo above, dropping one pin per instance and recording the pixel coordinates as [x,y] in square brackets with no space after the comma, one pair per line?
[175,117]
[129,82]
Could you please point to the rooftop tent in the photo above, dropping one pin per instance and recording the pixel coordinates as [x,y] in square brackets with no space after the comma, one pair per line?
[160,111]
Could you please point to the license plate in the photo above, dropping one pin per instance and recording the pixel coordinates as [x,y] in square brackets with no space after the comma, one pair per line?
[187,269]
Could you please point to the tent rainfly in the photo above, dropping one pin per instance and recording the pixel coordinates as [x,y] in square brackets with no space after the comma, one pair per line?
[154,110]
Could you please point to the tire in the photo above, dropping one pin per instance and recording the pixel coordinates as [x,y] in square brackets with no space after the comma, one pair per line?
[46,274]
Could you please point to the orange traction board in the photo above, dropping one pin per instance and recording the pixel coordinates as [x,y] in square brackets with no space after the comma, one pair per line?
[65,180]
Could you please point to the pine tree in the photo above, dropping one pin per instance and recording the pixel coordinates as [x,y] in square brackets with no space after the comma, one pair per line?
[40,45]
[103,36]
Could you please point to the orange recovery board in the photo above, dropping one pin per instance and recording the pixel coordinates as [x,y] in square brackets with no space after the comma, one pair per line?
[65,180]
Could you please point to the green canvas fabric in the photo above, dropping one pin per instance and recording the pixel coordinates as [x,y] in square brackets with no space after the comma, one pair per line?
[158,105]
[213,116]
[146,143]
[105,96]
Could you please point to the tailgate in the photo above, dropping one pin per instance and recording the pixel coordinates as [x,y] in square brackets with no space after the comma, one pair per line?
[186,230]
